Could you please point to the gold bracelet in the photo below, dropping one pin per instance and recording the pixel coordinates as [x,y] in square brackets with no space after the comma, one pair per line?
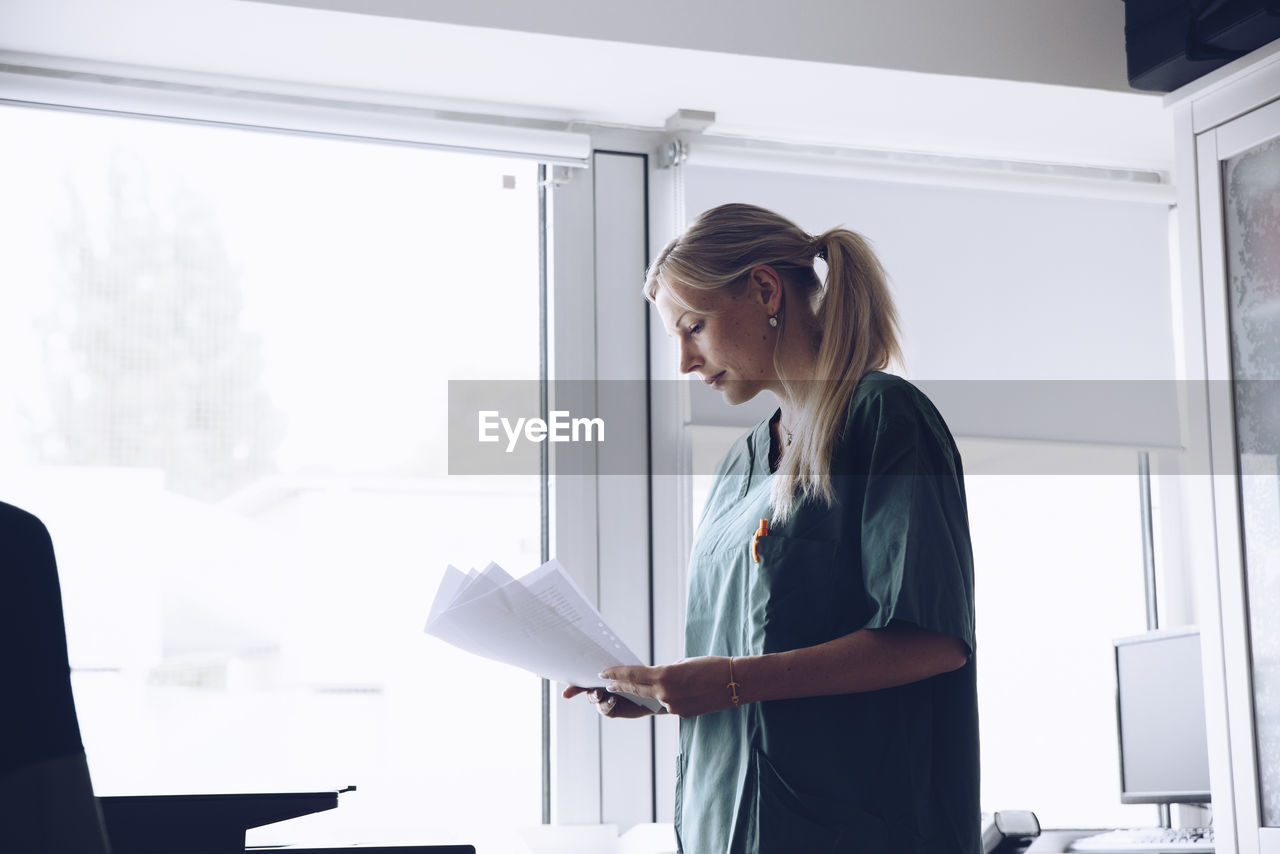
[733,685]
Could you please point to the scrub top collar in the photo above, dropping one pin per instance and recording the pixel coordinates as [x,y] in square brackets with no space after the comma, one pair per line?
[759,445]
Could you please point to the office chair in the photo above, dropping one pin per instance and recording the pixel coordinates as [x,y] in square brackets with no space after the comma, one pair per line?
[46,797]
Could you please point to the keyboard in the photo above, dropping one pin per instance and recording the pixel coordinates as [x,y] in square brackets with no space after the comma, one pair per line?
[1143,839]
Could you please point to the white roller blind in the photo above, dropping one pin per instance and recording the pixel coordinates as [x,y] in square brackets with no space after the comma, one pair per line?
[1025,315]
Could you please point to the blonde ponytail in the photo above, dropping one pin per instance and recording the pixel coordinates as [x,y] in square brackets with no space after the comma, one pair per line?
[859,328]
[855,320]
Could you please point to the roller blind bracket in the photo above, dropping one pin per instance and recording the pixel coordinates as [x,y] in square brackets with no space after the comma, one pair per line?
[680,126]
[672,153]
[559,176]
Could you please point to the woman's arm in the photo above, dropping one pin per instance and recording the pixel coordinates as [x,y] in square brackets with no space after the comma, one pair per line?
[865,660]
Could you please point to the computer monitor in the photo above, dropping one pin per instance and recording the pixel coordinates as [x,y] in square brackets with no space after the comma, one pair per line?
[1164,753]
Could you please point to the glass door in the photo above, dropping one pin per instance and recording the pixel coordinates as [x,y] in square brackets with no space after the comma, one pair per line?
[1239,167]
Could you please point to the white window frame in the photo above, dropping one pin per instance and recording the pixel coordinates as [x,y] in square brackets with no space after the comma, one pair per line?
[616,528]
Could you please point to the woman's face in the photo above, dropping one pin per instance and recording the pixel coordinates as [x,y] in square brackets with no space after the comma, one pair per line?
[727,341]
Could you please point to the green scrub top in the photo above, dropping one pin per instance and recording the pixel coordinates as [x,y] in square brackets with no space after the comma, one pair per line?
[893,771]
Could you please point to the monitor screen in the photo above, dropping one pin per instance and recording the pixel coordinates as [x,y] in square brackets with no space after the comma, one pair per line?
[1164,754]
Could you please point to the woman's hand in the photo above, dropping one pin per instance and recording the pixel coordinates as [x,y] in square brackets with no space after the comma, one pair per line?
[687,688]
[609,705]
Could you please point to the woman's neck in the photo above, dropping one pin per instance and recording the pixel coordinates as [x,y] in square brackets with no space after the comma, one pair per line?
[782,435]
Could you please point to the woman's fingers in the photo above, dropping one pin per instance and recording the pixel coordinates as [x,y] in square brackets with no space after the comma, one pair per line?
[637,680]
[603,699]
[621,707]
[608,703]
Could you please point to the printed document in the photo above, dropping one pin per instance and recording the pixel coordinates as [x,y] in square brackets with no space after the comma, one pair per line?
[541,623]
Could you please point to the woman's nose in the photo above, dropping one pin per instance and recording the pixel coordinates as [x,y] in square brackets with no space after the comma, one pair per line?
[690,361]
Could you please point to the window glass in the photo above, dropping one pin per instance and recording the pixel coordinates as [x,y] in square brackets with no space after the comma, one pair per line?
[1251,209]
[227,355]
[1059,575]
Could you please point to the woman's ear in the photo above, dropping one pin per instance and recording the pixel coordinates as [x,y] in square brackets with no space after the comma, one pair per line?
[766,286]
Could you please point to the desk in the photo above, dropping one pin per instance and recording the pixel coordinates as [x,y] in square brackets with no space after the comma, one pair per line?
[1056,841]
[171,824]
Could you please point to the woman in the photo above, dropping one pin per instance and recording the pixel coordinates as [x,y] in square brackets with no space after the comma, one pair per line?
[828,699]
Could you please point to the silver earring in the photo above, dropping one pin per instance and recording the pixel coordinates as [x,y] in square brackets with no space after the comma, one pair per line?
[773,320]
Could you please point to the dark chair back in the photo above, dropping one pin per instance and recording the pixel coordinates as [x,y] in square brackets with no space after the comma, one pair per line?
[46,797]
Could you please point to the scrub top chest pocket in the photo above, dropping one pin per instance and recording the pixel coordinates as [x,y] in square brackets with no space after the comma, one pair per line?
[789,592]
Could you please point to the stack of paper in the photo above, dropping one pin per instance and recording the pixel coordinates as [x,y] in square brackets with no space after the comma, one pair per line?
[541,623]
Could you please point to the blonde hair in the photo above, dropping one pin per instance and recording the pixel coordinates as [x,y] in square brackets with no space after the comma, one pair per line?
[857,324]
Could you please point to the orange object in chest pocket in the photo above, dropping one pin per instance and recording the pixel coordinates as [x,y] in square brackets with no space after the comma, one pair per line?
[762,531]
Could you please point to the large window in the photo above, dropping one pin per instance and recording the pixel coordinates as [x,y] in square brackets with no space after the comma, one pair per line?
[226,361]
